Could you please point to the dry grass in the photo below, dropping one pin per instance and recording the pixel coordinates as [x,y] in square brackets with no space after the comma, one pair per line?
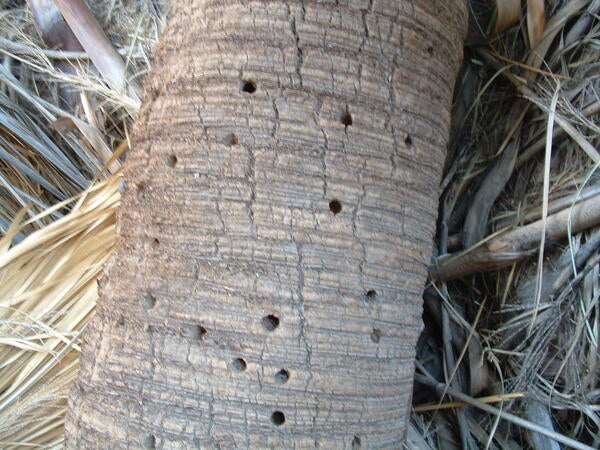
[47,292]
[519,345]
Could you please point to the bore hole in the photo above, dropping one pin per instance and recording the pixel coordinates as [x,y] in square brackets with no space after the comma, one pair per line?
[141,186]
[356,443]
[195,332]
[430,50]
[155,242]
[408,140]
[153,93]
[335,206]
[238,365]
[346,119]
[150,442]
[282,376]
[376,335]
[172,161]
[249,86]
[231,139]
[278,418]
[149,300]
[270,322]
[371,295]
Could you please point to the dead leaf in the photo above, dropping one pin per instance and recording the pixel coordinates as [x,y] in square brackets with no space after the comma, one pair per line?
[480,376]
[536,21]
[508,13]
[63,125]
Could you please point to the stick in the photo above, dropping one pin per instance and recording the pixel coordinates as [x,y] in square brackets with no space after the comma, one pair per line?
[450,405]
[106,59]
[507,248]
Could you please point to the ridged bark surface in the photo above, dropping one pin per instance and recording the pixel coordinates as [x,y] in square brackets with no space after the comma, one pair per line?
[276,226]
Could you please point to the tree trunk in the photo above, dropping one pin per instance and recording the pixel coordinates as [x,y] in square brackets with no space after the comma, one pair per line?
[275,229]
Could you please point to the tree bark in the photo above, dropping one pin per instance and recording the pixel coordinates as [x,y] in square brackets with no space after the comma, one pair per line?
[275,229]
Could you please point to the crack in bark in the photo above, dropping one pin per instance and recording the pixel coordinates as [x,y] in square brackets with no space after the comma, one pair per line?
[355,233]
[250,176]
[276,123]
[211,417]
[219,214]
[392,111]
[299,52]
[300,307]
[325,150]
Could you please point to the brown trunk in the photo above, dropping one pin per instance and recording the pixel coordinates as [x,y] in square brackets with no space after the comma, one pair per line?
[276,229]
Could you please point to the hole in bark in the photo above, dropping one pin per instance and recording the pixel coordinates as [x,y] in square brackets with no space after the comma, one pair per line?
[149,300]
[172,161]
[195,332]
[335,206]
[141,186]
[150,442]
[371,295]
[270,322]
[282,376]
[153,93]
[249,86]
[376,335]
[155,243]
[231,139]
[408,140]
[278,418]
[356,443]
[346,119]
[238,365]
[430,50]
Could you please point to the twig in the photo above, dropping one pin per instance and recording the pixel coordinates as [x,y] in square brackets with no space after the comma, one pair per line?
[534,214]
[448,405]
[441,387]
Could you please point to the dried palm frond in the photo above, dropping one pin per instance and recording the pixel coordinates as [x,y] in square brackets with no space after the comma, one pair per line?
[50,149]
[48,290]
[523,168]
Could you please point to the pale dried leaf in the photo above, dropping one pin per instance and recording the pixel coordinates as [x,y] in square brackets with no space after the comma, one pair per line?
[508,13]
[51,26]
[536,21]
[53,269]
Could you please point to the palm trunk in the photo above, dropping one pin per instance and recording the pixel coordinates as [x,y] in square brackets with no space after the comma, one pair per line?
[275,228]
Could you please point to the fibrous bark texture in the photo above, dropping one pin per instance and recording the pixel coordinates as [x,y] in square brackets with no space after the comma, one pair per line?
[276,228]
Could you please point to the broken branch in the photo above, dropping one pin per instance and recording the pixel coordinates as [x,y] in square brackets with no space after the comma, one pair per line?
[517,244]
